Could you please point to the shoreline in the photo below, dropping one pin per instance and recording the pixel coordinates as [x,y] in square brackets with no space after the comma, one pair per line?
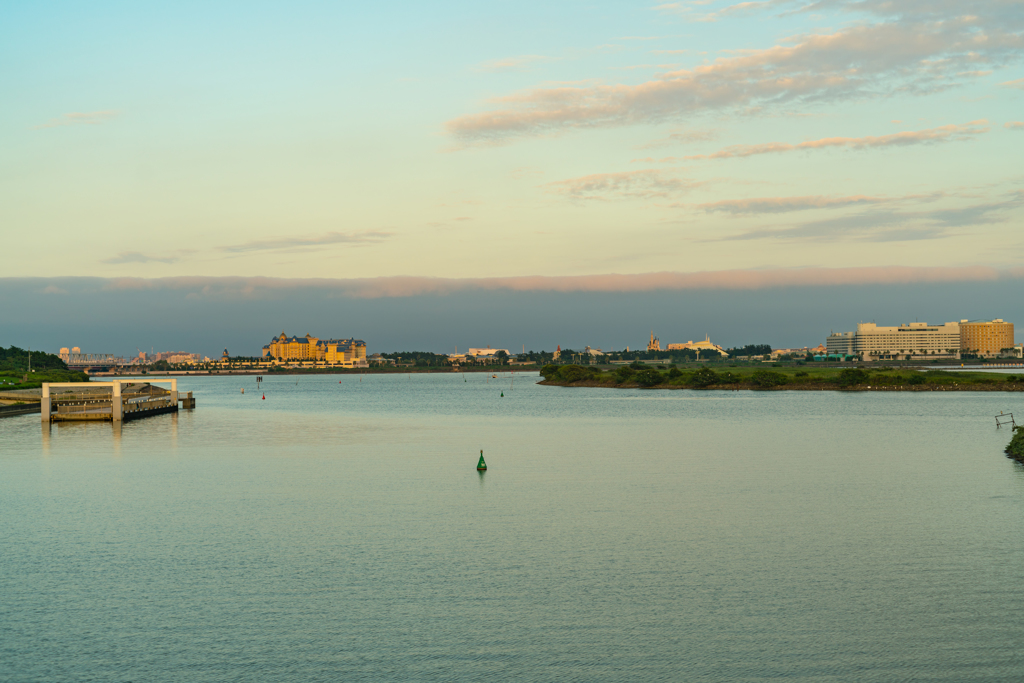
[585,384]
[320,371]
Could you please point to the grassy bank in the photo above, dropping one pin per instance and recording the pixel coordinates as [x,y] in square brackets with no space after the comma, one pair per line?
[14,379]
[795,378]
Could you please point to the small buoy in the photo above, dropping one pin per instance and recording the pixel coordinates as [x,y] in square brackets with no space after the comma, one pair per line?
[503,394]
[481,466]
[264,397]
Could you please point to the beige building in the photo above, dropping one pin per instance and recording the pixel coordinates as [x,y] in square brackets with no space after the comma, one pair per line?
[706,345]
[487,353]
[654,344]
[986,338]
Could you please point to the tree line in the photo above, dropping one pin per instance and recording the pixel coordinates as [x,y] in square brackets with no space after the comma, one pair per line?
[16,358]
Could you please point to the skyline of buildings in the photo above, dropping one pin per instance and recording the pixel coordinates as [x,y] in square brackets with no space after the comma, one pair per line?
[984,338]
[869,341]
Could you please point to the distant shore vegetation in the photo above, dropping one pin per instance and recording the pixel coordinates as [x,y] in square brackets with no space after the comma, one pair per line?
[1015,449]
[792,378]
[15,372]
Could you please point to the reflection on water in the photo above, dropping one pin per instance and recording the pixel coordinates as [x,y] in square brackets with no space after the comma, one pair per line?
[333,531]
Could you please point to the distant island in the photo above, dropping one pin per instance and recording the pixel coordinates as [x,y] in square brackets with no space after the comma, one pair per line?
[799,378]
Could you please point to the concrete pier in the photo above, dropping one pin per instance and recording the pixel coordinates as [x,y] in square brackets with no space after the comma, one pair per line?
[126,400]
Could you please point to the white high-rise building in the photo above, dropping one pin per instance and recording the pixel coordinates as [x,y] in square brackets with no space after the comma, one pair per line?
[912,339]
[872,342]
[840,343]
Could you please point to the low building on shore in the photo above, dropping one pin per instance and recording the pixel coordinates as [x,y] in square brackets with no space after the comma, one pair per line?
[487,353]
[801,352]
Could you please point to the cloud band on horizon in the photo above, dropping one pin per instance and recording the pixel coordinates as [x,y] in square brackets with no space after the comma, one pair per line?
[391,287]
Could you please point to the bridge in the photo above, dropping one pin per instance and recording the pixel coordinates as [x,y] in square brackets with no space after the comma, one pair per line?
[92,361]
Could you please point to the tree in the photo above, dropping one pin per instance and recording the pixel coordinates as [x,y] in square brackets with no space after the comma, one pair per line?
[549,371]
[624,374]
[18,359]
[767,379]
[750,350]
[648,377]
[573,373]
[704,377]
[851,377]
[501,356]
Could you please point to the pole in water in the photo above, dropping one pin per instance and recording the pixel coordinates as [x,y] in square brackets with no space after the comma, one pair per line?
[481,466]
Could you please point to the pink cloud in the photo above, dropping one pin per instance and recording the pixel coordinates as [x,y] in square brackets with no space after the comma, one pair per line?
[865,60]
[1014,125]
[79,118]
[644,184]
[902,139]
[384,287]
[512,63]
[309,241]
[787,204]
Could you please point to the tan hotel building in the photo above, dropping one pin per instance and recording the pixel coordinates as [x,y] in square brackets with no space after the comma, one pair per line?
[346,352]
[986,338]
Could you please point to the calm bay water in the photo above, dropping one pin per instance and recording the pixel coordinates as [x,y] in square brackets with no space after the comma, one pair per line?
[339,531]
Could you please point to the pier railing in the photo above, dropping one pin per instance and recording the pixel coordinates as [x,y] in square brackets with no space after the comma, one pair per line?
[94,406]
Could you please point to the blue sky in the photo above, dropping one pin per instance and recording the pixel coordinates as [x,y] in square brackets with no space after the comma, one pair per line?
[511,140]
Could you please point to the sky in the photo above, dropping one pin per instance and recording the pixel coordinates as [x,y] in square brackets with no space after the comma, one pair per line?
[520,155]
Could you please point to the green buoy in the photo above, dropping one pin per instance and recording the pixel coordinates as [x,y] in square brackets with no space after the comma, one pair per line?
[503,394]
[481,466]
